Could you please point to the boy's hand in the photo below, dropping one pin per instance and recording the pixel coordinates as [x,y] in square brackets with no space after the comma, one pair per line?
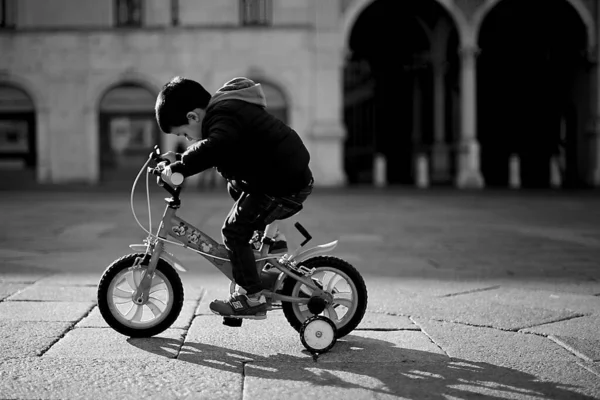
[170,155]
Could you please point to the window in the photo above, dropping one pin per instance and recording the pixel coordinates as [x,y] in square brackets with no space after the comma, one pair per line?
[8,10]
[256,12]
[128,13]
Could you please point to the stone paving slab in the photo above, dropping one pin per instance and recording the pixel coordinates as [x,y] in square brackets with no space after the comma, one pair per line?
[95,320]
[584,304]
[71,279]
[575,286]
[20,272]
[493,345]
[578,334]
[274,340]
[105,343]
[385,322]
[593,367]
[584,326]
[480,312]
[42,292]
[27,339]
[78,378]
[430,287]
[402,380]
[586,348]
[43,311]
[8,289]
[531,354]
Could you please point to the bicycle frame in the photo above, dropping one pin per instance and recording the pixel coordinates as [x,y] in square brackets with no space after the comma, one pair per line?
[190,237]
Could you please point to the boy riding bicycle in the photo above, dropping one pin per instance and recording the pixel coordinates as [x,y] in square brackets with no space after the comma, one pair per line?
[264,161]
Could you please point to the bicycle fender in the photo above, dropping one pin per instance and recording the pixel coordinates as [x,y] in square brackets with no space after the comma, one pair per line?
[313,251]
[168,257]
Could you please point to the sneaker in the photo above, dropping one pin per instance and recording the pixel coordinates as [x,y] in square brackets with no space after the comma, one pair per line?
[241,305]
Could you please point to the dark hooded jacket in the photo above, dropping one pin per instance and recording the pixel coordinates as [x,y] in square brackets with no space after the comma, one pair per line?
[244,142]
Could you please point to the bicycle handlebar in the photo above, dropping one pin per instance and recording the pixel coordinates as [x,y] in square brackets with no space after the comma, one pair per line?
[172,179]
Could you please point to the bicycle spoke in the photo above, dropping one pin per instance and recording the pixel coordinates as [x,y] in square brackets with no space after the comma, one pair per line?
[157,299]
[122,294]
[137,315]
[335,279]
[343,302]
[303,308]
[158,287]
[331,314]
[131,281]
[153,307]
[306,290]
[123,279]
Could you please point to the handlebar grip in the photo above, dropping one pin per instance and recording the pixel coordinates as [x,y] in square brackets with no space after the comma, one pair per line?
[174,178]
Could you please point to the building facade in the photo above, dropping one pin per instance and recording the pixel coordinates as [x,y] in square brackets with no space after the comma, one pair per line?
[469,93]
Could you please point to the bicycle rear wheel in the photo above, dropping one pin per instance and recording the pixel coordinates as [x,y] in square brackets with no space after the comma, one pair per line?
[337,277]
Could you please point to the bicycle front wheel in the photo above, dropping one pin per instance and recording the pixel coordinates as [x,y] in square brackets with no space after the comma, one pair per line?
[115,298]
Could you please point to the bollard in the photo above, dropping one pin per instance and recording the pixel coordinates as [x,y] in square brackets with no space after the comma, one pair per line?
[422,171]
[555,175]
[514,168]
[379,170]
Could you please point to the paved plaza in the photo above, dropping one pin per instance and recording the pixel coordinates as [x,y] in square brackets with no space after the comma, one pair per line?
[477,294]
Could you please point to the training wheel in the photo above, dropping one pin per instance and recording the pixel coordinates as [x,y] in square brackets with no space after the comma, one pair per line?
[318,334]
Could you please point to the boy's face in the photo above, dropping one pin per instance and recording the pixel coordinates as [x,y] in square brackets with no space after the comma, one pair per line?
[192,131]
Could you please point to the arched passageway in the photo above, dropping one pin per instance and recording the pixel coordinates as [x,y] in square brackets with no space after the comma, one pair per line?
[128,131]
[401,91]
[18,155]
[533,92]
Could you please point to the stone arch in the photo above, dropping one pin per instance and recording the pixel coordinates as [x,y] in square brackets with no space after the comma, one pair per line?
[356,7]
[582,11]
[115,138]
[99,91]
[37,96]
[549,70]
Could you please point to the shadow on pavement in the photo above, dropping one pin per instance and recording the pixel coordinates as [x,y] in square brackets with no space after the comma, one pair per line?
[412,373]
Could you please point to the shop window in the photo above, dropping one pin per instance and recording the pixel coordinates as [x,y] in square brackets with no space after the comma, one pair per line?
[256,12]
[17,128]
[128,13]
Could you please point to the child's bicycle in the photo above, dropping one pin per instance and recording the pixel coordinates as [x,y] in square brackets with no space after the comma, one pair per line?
[141,295]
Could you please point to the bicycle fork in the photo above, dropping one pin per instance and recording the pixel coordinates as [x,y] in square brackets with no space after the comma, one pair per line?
[143,290]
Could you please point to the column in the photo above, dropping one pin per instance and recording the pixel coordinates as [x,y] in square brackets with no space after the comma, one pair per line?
[469,174]
[595,175]
[440,152]
[44,159]
[327,132]
[593,128]
[440,155]
[595,109]
[92,148]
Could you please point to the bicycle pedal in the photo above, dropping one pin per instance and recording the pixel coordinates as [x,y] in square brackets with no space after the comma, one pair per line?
[259,316]
[233,322]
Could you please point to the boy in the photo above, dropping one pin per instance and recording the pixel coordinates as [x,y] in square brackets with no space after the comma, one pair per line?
[264,161]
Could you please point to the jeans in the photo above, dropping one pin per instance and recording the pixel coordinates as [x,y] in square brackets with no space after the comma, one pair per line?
[250,212]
